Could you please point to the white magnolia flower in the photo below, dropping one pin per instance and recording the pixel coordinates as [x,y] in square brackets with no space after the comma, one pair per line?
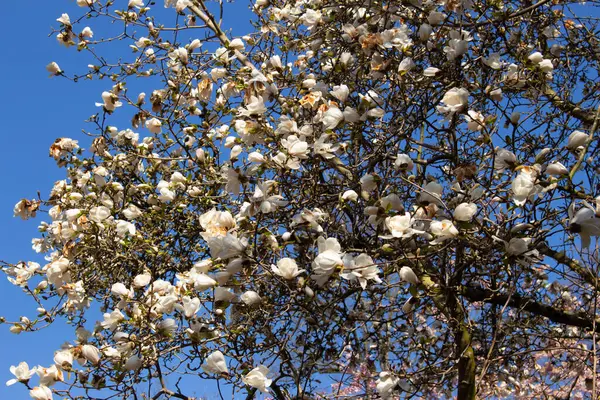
[90,353]
[475,120]
[406,65]
[178,177]
[21,372]
[576,139]
[350,195]
[66,38]
[112,320]
[133,363]
[556,169]
[53,68]
[125,228]
[368,183]
[22,272]
[216,223]
[166,304]
[275,62]
[41,393]
[523,185]
[518,246]
[551,32]
[361,268]
[400,226]
[515,116]
[110,101]
[391,202]
[504,159]
[425,31]
[200,280]
[250,298]
[332,117]
[255,106]
[465,211]
[403,162]
[295,146]
[546,65]
[443,230]
[120,290]
[215,73]
[99,214]
[154,125]
[430,71]
[26,209]
[190,306]
[436,17]
[323,148]
[375,218]
[167,327]
[237,44]
[585,223]
[556,49]
[87,32]
[329,257]
[142,280]
[49,376]
[311,17]
[64,19]
[340,92]
[215,364]
[227,246]
[287,126]
[536,57]
[257,378]
[256,157]
[132,212]
[493,61]
[135,3]
[166,194]
[262,200]
[431,194]
[458,44]
[235,152]
[287,268]
[408,275]
[496,94]
[396,37]
[144,42]
[455,100]
[179,5]
[223,294]
[386,384]
[64,359]
[351,115]
[62,147]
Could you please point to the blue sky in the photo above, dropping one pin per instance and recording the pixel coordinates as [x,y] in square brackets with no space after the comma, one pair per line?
[35,110]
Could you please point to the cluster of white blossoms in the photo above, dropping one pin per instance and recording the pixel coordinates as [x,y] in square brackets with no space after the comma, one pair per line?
[329,178]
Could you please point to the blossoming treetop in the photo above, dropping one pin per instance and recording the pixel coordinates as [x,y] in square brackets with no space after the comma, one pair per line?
[380,199]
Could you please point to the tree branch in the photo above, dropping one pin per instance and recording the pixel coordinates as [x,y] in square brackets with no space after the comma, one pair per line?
[211,24]
[559,256]
[447,301]
[524,303]
[585,116]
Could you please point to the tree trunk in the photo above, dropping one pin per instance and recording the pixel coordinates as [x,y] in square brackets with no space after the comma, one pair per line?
[466,364]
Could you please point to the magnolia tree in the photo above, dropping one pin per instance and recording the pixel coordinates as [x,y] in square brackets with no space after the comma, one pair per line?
[355,199]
